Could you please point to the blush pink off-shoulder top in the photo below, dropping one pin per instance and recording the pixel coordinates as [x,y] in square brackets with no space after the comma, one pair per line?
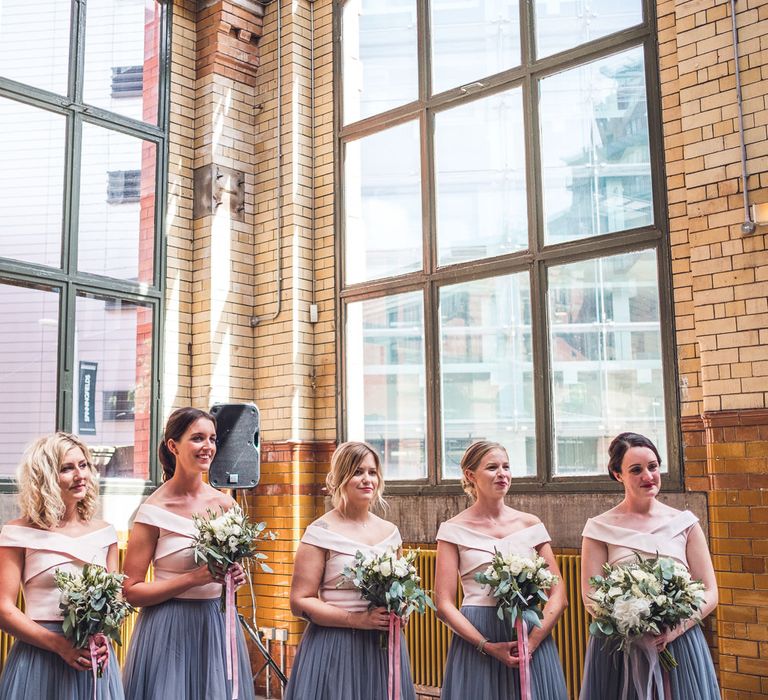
[173,552]
[668,539]
[476,552]
[44,553]
[341,552]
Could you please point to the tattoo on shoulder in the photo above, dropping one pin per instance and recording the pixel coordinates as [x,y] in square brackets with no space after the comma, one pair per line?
[322,524]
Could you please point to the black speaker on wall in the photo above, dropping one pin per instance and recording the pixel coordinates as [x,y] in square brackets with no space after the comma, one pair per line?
[237,464]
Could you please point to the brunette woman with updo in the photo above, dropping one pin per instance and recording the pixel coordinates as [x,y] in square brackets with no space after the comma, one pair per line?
[641,525]
[483,660]
[178,648]
[341,656]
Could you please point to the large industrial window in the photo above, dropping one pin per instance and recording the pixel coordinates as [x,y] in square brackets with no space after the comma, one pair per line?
[503,259]
[80,225]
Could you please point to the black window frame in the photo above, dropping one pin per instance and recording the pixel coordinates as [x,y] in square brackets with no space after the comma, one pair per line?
[535,260]
[66,279]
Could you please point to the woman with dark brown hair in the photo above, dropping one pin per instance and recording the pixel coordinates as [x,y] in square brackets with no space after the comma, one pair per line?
[178,649]
[483,660]
[643,525]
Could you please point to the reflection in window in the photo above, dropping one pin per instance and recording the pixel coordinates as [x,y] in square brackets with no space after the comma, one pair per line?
[596,167]
[473,39]
[564,24]
[379,56]
[32,143]
[34,43]
[122,57]
[117,241]
[28,359]
[382,204]
[385,388]
[112,390]
[605,341]
[480,179]
[486,367]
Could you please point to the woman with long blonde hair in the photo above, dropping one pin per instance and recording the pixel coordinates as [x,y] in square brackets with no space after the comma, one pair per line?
[341,656]
[58,496]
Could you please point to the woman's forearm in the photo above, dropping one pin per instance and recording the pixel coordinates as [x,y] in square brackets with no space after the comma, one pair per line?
[155,592]
[314,610]
[459,624]
[18,625]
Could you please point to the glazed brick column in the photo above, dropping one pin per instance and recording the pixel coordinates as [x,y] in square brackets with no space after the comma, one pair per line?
[227,62]
[289,497]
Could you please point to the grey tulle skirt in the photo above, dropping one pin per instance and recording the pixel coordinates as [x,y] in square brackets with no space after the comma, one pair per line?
[693,679]
[32,672]
[333,663]
[178,652]
[470,675]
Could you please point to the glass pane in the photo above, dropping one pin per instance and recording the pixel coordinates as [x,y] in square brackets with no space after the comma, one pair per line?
[563,24]
[486,361]
[595,154]
[31,183]
[122,57]
[380,62]
[112,388]
[480,178]
[117,205]
[28,359]
[386,381]
[34,43]
[382,204]
[471,40]
[605,341]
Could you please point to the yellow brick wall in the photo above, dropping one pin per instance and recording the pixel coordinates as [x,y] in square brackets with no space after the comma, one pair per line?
[721,308]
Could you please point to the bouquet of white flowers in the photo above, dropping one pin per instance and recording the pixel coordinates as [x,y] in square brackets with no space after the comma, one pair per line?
[390,581]
[646,596]
[224,539]
[228,537]
[93,608]
[520,586]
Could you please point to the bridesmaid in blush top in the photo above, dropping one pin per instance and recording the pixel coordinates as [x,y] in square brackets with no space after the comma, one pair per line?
[58,494]
[641,524]
[178,648]
[341,656]
[483,660]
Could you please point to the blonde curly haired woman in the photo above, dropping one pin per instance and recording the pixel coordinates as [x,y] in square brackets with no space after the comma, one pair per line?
[340,656]
[58,496]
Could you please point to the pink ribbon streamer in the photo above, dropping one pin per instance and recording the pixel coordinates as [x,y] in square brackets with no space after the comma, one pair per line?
[525,659]
[93,645]
[229,613]
[393,658]
[643,668]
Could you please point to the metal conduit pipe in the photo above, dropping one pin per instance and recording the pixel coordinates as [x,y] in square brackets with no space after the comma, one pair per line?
[749,225]
[255,320]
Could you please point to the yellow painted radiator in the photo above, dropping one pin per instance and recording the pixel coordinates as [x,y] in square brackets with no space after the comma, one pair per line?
[428,638]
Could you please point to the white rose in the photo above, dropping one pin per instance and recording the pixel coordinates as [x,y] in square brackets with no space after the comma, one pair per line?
[401,569]
[630,612]
[385,568]
[233,544]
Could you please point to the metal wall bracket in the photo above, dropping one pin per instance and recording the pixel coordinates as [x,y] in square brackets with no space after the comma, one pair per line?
[216,186]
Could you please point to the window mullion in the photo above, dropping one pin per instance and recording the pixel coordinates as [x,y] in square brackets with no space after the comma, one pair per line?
[433,433]
[66,369]
[542,370]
